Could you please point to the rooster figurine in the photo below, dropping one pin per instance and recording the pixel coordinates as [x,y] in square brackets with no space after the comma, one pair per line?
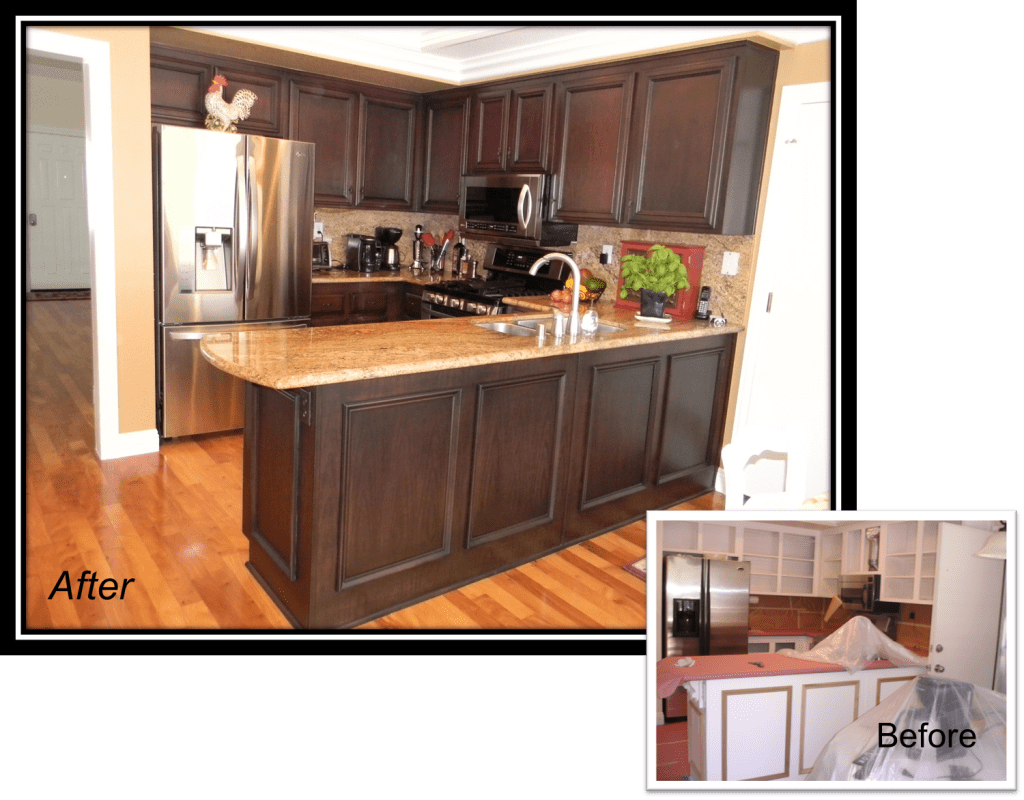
[222,115]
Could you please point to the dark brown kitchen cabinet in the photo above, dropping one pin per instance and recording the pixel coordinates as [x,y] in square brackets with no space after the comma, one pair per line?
[592,130]
[412,301]
[355,303]
[326,116]
[445,125]
[510,129]
[386,152]
[512,461]
[698,138]
[179,83]
[647,429]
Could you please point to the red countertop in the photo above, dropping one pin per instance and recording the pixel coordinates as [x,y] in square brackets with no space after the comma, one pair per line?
[738,666]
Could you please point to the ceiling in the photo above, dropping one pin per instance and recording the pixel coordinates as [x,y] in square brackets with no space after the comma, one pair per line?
[460,54]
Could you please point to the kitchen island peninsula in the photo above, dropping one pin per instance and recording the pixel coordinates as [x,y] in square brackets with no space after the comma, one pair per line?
[387,463]
[768,716]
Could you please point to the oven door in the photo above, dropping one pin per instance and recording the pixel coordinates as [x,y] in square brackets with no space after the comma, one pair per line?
[436,311]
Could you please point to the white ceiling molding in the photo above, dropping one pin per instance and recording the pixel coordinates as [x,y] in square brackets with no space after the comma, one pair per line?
[459,55]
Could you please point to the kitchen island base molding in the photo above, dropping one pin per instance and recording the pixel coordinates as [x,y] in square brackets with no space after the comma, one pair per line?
[361,498]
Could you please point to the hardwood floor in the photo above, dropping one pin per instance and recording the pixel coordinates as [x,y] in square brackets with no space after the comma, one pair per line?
[171,521]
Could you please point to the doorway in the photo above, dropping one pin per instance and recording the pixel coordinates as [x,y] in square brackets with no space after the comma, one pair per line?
[99,171]
[57,232]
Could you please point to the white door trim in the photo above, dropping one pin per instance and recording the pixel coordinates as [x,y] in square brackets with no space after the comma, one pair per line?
[99,170]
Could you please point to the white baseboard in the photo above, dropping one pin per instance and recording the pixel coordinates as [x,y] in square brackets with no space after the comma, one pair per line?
[124,445]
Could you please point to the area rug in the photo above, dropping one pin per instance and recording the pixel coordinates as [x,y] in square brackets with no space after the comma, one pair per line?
[638,568]
[58,294]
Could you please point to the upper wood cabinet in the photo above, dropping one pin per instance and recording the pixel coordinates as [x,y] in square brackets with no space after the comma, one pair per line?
[697,142]
[670,143]
[179,82]
[510,128]
[326,116]
[386,151]
[445,124]
[592,130]
[365,144]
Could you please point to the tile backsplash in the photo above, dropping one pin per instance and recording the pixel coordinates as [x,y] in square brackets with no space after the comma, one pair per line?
[729,292]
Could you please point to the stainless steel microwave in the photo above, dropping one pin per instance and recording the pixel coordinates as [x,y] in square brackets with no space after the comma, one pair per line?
[514,208]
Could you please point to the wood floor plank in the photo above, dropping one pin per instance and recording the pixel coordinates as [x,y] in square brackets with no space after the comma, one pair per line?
[172,521]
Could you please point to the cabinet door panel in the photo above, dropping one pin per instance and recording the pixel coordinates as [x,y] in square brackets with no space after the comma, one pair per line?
[488,127]
[327,117]
[618,429]
[446,124]
[386,149]
[530,129]
[679,144]
[593,135]
[177,89]
[688,423]
[515,477]
[379,538]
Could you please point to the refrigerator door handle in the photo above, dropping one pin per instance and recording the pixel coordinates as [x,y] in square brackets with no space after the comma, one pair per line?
[252,190]
[242,227]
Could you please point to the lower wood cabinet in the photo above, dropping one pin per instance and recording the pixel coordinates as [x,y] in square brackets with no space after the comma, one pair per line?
[360,498]
[355,303]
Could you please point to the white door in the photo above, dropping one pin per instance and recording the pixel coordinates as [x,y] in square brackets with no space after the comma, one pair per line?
[965,611]
[58,234]
[785,378]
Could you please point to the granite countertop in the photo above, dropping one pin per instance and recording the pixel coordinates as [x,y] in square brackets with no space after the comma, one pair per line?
[405,275]
[296,357]
[706,668]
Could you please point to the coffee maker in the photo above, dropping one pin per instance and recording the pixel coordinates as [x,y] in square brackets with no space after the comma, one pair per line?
[362,253]
[391,256]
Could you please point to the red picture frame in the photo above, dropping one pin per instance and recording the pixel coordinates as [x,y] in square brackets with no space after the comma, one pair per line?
[681,305]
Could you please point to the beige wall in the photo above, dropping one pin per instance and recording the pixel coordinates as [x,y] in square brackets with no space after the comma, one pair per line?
[133,219]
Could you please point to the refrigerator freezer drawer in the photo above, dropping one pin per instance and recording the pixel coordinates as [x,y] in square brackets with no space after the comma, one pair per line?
[195,396]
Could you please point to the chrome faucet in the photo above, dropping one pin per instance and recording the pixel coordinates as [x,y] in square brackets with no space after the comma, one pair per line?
[574,318]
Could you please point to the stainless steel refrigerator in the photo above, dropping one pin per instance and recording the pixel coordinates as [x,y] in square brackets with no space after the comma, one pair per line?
[233,240]
[705,611]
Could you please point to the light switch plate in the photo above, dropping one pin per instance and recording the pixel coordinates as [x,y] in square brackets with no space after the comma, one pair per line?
[730,263]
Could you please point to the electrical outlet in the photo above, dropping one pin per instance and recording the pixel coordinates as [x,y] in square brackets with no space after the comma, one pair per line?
[606,253]
[730,263]
[318,230]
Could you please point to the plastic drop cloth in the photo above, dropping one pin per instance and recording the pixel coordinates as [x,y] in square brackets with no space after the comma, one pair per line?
[857,643]
[925,706]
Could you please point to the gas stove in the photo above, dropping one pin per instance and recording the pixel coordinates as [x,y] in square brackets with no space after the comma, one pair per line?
[507,276]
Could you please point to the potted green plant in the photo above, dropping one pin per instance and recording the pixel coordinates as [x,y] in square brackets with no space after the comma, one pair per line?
[657,276]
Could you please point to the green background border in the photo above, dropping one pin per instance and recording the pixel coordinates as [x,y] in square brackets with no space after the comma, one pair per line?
[930,343]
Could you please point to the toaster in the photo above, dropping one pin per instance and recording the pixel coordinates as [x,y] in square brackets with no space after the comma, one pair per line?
[321,255]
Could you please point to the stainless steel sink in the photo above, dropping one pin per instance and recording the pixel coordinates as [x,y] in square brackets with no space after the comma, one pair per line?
[528,327]
[506,327]
[549,325]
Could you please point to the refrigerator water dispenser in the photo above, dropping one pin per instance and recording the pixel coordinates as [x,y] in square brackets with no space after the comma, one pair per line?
[213,261]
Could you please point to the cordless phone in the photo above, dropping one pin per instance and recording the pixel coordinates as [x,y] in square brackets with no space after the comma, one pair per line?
[704,303]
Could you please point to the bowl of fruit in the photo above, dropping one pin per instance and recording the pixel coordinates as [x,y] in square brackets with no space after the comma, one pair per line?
[591,289]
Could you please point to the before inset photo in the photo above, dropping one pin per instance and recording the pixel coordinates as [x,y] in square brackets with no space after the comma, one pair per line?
[832,648]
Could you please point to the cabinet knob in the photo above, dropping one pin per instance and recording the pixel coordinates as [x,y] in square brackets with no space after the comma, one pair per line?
[938,648]
[939,668]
